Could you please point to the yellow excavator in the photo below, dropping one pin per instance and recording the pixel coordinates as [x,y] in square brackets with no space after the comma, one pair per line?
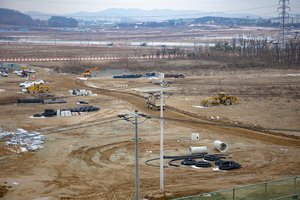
[88,73]
[222,98]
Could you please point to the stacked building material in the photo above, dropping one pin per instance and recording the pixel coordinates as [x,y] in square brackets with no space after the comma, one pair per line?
[31,140]
[67,112]
[82,92]
[76,111]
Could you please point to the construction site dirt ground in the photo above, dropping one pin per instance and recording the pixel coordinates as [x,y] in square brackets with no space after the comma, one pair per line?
[93,156]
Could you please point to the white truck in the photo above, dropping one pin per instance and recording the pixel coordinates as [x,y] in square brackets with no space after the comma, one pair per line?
[153,102]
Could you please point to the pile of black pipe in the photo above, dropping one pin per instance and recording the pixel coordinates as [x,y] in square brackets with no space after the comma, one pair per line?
[52,112]
[129,76]
[35,100]
[213,157]
[83,109]
[227,165]
[189,160]
[174,158]
[202,164]
[49,113]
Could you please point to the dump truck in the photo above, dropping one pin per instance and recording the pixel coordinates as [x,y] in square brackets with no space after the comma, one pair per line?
[222,98]
[88,73]
[153,102]
[37,88]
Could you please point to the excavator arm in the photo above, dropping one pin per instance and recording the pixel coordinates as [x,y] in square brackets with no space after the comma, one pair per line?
[88,72]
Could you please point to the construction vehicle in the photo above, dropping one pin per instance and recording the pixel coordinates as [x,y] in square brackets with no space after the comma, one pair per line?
[222,98]
[153,102]
[88,73]
[37,88]
[25,73]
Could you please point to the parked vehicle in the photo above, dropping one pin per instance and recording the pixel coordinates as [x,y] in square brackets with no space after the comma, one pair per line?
[26,84]
[31,71]
[17,72]
[38,82]
[4,74]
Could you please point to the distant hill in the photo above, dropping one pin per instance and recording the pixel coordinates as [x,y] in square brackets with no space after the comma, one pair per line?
[39,15]
[12,17]
[134,15]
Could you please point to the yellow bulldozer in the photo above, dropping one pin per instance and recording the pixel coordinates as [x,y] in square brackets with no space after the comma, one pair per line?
[222,98]
[37,88]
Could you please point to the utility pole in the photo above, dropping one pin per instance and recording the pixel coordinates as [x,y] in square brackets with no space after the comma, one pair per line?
[136,138]
[55,45]
[161,135]
[283,15]
[161,83]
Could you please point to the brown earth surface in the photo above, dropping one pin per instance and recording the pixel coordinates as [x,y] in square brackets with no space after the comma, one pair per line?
[92,156]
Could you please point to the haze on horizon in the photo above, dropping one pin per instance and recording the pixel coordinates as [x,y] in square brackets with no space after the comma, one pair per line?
[256,7]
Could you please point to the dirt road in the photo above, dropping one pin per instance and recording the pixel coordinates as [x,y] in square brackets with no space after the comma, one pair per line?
[92,156]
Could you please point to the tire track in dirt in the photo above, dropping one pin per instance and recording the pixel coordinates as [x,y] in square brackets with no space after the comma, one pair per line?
[191,120]
[121,191]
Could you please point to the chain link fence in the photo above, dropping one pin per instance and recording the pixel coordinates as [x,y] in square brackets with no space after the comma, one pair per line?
[286,189]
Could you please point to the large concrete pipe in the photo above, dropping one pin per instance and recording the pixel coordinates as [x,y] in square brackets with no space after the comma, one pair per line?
[220,146]
[193,150]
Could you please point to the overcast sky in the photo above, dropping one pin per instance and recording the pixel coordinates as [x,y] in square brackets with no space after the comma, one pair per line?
[257,7]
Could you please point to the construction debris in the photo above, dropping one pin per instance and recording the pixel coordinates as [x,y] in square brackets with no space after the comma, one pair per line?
[31,140]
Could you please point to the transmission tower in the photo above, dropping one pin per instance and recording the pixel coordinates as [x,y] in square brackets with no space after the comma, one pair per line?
[283,15]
